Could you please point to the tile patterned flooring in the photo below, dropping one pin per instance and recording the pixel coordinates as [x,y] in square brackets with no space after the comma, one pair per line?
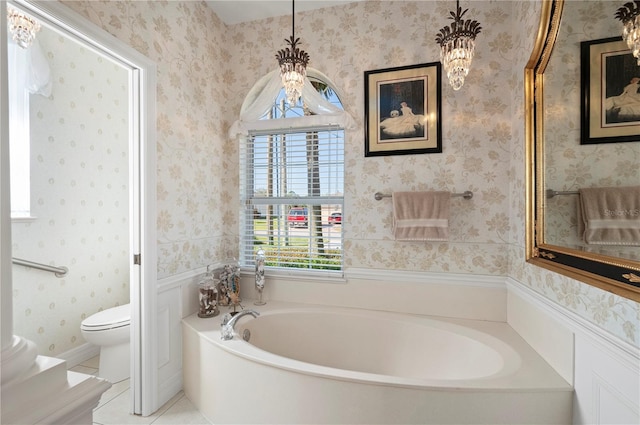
[113,408]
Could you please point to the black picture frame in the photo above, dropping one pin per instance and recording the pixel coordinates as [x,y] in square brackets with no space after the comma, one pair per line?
[609,76]
[403,110]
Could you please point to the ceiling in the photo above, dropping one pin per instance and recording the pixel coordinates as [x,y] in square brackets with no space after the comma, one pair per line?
[236,11]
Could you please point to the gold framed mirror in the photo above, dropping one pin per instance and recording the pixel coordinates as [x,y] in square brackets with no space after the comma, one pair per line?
[560,168]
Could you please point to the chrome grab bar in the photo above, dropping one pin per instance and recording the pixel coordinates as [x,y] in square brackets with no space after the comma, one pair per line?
[58,271]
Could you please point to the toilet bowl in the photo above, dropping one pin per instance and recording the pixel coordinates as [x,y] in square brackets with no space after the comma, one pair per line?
[110,330]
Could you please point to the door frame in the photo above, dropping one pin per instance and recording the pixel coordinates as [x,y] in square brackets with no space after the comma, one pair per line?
[143,171]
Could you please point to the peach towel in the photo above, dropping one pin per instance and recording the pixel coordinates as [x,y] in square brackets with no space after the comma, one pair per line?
[610,215]
[421,216]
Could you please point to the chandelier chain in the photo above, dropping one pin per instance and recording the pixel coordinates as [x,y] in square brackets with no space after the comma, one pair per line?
[293,63]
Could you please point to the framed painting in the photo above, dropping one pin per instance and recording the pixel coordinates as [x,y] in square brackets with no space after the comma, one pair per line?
[402,110]
[610,92]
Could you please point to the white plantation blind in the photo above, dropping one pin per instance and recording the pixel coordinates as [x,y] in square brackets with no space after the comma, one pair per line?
[292,191]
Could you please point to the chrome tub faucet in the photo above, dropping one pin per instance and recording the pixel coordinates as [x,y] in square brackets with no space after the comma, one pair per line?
[229,322]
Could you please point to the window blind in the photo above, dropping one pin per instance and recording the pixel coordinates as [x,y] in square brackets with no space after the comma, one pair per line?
[292,192]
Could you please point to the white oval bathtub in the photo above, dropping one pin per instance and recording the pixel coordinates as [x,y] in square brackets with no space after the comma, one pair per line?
[335,365]
[358,341]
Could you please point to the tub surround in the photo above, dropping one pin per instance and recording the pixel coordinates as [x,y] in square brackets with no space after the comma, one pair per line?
[457,295]
[551,339]
[507,391]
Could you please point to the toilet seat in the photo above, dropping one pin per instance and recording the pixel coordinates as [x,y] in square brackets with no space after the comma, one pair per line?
[112,318]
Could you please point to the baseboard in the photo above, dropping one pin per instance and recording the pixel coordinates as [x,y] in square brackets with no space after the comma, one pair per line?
[79,354]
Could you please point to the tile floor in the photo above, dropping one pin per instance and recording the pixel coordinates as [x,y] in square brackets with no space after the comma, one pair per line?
[113,408]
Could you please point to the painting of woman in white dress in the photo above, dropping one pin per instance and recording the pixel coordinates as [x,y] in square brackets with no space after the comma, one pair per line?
[622,89]
[609,92]
[625,106]
[402,110]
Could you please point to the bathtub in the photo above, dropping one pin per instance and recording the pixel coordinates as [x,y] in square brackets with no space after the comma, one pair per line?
[306,364]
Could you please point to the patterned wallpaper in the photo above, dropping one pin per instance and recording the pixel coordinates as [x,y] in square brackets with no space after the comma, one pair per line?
[79,196]
[205,70]
[570,165]
[197,178]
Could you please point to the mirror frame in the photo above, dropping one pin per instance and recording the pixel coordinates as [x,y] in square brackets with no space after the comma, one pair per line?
[617,275]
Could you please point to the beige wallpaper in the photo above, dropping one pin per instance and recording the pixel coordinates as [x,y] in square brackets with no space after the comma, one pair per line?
[206,69]
[196,180]
[79,197]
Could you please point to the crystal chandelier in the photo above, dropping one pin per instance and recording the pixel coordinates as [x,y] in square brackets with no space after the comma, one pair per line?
[629,15]
[22,27]
[293,64]
[457,45]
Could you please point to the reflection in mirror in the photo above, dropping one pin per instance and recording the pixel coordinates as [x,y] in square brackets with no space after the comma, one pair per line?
[570,166]
[566,233]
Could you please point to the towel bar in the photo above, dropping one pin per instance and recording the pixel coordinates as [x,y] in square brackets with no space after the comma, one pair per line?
[551,193]
[467,194]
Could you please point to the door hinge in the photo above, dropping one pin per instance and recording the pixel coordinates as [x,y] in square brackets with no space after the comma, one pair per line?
[137,259]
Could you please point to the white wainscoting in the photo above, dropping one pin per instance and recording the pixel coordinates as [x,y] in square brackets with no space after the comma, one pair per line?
[607,384]
[605,370]
[169,344]
[177,298]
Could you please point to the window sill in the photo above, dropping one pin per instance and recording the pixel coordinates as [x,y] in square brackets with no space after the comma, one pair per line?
[28,219]
[299,275]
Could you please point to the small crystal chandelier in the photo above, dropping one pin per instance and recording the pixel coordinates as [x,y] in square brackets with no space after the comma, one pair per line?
[293,64]
[629,15]
[23,28]
[457,46]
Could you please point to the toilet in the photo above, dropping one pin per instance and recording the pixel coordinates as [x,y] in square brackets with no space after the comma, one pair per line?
[109,329]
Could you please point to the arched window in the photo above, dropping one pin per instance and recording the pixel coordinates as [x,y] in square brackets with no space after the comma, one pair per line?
[292,179]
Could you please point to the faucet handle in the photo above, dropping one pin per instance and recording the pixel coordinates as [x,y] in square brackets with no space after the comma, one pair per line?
[226,318]
[226,333]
